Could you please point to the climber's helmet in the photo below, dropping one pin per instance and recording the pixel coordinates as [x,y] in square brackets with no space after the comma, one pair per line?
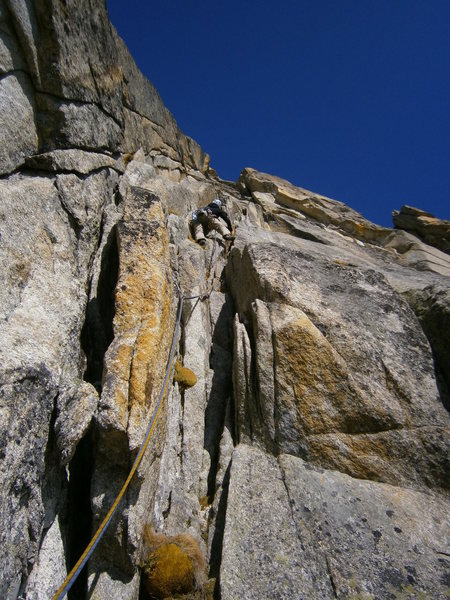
[217,202]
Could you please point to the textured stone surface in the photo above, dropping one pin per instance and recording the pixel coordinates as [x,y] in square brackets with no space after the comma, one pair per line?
[77,406]
[17,121]
[262,554]
[320,340]
[432,307]
[51,560]
[435,232]
[379,541]
[136,359]
[77,87]
[26,402]
[76,161]
[64,124]
[313,205]
[296,532]
[415,253]
[352,406]
[11,58]
[43,300]
[39,291]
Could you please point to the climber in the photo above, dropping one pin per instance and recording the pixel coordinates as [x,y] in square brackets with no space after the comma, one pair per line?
[205,219]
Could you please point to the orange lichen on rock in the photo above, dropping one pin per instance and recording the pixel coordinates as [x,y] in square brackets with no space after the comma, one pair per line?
[174,565]
[143,300]
[316,386]
[143,317]
[168,570]
[184,376]
[315,374]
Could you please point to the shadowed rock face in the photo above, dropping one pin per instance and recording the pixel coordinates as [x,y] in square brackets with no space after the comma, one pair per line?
[310,458]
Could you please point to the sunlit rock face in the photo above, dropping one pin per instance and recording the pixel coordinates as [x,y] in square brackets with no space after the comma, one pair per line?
[310,458]
[435,232]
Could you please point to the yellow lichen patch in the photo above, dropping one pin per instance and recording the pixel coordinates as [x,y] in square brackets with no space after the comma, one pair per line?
[363,230]
[168,570]
[360,228]
[149,362]
[143,366]
[143,303]
[365,456]
[309,367]
[315,384]
[429,220]
[118,366]
[204,502]
[144,316]
[127,158]
[122,358]
[138,293]
[184,376]
[175,565]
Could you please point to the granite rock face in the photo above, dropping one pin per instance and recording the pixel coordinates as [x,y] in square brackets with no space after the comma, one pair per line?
[311,457]
[353,382]
[310,533]
[435,232]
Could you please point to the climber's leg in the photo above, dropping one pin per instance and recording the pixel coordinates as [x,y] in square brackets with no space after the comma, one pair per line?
[199,234]
[217,225]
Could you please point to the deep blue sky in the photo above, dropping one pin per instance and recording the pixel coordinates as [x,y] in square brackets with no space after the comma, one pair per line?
[348,98]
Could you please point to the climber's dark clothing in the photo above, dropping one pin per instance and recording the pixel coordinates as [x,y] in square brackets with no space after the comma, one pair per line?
[207,218]
[219,212]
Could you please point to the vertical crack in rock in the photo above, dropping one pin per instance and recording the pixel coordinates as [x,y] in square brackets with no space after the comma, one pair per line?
[54,495]
[96,336]
[217,542]
[330,574]
[133,374]
[97,332]
[220,360]
[310,548]
[253,371]
[181,427]
[219,434]
[291,501]
[79,510]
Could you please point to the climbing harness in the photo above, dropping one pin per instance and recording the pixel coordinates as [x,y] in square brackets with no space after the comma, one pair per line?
[76,570]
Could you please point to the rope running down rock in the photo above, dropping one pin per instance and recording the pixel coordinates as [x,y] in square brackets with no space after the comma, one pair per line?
[76,570]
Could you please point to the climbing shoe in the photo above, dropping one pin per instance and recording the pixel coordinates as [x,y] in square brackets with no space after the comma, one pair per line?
[228,237]
[202,243]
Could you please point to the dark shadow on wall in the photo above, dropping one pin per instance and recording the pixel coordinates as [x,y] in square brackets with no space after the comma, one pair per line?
[221,361]
[217,542]
[79,511]
[432,308]
[219,414]
[97,333]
